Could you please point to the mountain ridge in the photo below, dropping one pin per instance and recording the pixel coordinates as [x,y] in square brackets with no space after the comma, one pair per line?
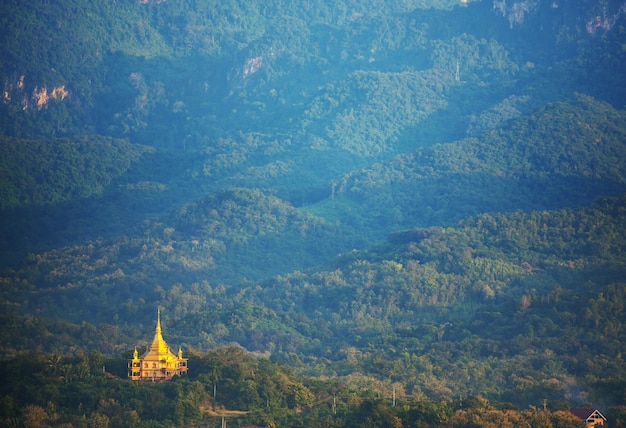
[420,197]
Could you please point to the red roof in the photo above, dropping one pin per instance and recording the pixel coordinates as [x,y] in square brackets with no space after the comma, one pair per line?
[585,414]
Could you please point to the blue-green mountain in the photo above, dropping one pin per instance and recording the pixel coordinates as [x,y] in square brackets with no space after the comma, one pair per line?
[425,197]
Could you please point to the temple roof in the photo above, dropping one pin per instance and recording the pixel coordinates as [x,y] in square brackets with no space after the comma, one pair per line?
[159,350]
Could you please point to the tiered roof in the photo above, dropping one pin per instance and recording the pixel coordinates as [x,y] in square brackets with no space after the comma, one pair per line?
[159,349]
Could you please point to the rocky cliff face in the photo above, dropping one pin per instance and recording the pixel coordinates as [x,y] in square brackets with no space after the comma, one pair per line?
[515,11]
[606,17]
[595,15]
[37,98]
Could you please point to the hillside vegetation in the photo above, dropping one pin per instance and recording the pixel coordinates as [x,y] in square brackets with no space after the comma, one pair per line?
[513,286]
[364,213]
[36,172]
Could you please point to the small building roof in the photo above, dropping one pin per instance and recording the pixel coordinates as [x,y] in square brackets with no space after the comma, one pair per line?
[585,414]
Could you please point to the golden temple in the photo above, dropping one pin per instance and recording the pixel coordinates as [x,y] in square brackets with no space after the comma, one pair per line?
[158,363]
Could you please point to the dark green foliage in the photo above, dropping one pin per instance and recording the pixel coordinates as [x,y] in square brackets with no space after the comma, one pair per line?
[408,198]
[37,173]
[514,306]
[62,388]
[563,155]
[50,390]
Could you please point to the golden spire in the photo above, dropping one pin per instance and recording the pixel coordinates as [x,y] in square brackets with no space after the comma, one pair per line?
[158,327]
[159,346]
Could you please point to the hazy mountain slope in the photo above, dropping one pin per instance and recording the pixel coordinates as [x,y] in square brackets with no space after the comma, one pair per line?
[67,190]
[212,158]
[283,98]
[518,306]
[159,72]
[440,310]
[565,154]
[225,237]
[59,170]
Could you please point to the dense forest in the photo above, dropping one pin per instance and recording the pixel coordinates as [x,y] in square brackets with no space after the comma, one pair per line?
[372,214]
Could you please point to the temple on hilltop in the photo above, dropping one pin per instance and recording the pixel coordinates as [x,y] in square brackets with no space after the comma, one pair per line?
[158,363]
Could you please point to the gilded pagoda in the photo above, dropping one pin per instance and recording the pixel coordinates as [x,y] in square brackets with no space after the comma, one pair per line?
[158,363]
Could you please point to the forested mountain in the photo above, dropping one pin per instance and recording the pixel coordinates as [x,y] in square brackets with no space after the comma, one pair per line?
[562,155]
[425,197]
[516,307]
